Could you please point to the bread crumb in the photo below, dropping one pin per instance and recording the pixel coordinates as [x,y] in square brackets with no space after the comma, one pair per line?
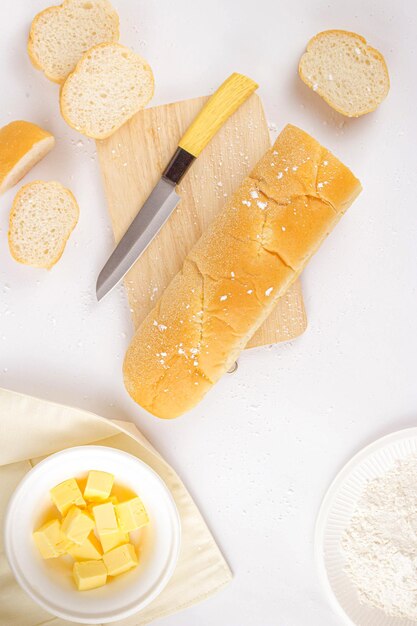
[223,298]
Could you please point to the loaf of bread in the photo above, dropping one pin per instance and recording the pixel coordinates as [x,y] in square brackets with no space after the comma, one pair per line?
[235,273]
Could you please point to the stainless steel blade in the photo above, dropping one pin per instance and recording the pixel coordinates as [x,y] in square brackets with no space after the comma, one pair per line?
[138,236]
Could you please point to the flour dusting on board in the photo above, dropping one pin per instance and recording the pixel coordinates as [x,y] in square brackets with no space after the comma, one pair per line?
[380,543]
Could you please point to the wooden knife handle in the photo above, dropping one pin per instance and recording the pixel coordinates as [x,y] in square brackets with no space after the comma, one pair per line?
[228,97]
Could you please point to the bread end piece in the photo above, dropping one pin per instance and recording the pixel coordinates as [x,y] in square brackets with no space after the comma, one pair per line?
[108,86]
[42,217]
[59,35]
[351,76]
[22,145]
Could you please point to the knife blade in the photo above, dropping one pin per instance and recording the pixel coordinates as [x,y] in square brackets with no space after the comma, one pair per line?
[153,214]
[164,198]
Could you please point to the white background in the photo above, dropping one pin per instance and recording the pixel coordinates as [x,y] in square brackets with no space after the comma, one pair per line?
[260,451]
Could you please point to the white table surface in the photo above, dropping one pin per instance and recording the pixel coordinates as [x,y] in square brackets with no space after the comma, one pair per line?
[260,451]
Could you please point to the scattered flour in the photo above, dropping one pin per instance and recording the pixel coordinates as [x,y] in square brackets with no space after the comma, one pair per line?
[380,543]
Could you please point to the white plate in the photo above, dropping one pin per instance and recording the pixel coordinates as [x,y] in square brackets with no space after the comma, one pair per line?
[50,582]
[334,516]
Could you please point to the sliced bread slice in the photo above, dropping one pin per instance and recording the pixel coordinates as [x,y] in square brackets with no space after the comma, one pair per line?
[109,85]
[60,35]
[22,145]
[42,218]
[349,75]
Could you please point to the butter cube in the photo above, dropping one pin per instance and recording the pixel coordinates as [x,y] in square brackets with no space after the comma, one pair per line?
[77,525]
[120,559]
[66,494]
[65,544]
[89,574]
[99,485]
[89,550]
[112,540]
[91,505]
[105,518]
[107,528]
[50,540]
[131,514]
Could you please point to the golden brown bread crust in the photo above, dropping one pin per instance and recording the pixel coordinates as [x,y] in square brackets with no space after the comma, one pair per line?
[234,274]
[16,141]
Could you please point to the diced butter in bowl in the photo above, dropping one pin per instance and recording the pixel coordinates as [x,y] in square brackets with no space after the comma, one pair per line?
[92,534]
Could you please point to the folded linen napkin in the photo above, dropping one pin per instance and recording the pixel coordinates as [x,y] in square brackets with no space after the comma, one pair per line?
[31,429]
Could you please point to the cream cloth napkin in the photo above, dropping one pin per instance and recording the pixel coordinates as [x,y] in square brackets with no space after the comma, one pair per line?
[31,429]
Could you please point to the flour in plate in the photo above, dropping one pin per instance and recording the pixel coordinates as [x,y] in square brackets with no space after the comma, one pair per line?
[380,543]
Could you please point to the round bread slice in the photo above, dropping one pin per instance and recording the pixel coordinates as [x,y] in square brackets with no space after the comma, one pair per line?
[42,218]
[60,35]
[109,85]
[22,145]
[349,75]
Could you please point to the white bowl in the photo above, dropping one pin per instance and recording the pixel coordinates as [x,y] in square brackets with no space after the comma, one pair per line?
[50,582]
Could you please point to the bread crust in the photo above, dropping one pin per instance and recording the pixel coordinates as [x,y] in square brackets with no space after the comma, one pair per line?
[60,252]
[233,276]
[78,68]
[17,139]
[50,11]
[321,92]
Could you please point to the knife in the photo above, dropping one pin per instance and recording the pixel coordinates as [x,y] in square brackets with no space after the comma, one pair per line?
[164,198]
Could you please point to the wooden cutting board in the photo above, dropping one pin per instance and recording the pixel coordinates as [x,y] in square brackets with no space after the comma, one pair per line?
[132,160]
